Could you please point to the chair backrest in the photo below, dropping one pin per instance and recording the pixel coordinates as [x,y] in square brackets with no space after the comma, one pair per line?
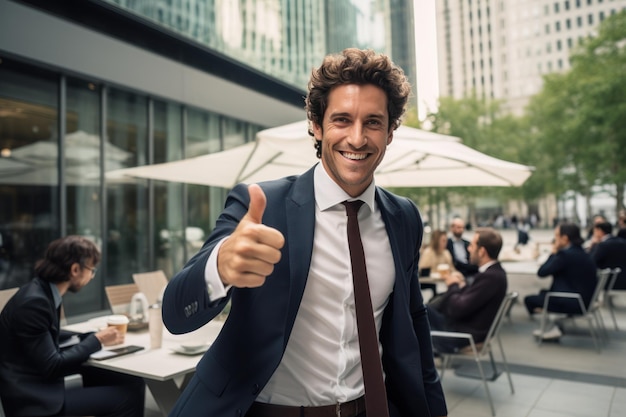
[119,296]
[614,273]
[151,284]
[497,320]
[5,296]
[603,276]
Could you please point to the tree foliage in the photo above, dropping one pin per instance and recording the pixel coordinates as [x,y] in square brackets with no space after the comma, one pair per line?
[580,116]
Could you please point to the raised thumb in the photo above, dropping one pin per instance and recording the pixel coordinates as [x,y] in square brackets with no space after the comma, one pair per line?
[257,203]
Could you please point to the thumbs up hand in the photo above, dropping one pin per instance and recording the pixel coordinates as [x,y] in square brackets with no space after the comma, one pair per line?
[250,253]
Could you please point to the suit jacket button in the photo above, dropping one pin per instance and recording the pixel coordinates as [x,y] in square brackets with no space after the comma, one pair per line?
[238,412]
[255,389]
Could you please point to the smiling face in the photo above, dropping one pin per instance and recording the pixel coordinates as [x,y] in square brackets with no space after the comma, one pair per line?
[354,135]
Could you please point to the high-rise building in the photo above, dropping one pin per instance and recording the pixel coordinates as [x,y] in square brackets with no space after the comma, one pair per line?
[87,87]
[502,48]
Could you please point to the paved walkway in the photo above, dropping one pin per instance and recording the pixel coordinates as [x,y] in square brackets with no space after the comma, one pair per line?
[565,379]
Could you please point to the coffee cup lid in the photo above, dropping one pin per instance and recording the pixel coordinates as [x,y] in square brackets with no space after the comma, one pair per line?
[117,319]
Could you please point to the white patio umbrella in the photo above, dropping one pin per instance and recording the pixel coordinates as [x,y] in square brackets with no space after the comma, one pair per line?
[415,158]
[36,163]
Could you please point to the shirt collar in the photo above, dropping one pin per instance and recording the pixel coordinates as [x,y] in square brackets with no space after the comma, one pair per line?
[484,267]
[328,194]
[56,295]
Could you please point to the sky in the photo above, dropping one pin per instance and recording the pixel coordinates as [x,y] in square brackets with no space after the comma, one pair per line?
[426,56]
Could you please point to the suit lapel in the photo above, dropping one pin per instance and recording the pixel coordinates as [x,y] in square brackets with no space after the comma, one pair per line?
[300,214]
[388,212]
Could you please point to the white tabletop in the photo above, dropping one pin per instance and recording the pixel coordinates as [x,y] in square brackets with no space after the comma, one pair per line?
[157,364]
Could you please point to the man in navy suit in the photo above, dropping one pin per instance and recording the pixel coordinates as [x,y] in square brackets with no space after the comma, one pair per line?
[279,253]
[609,251]
[33,366]
[459,248]
[572,270]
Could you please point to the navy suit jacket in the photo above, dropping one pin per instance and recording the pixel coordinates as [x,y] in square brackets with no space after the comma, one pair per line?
[250,346]
[465,268]
[611,253]
[572,270]
[32,367]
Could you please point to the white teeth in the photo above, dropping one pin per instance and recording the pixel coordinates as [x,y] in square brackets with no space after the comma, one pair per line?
[357,156]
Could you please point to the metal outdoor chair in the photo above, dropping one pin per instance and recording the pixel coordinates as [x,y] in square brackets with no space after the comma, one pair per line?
[479,350]
[611,292]
[591,313]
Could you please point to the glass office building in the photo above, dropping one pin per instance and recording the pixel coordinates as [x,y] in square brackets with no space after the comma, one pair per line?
[93,86]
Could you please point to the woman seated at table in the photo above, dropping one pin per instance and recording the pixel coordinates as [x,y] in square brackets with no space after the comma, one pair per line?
[433,255]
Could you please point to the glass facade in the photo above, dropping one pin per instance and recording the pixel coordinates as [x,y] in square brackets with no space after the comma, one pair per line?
[283,38]
[142,82]
[53,182]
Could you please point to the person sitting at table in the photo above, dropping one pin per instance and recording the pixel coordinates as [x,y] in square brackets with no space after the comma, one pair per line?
[433,255]
[471,308]
[33,366]
[458,248]
[609,252]
[572,270]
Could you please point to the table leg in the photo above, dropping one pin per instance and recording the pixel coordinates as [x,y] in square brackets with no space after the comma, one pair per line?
[165,394]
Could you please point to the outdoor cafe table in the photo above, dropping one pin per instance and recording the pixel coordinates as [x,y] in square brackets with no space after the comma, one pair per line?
[166,370]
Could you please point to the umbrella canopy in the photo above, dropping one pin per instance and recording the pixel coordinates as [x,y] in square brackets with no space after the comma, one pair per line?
[36,164]
[415,158]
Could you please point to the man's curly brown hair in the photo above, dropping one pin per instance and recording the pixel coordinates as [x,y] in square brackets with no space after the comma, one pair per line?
[357,66]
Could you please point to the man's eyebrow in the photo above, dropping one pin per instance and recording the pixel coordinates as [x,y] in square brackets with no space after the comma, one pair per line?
[369,116]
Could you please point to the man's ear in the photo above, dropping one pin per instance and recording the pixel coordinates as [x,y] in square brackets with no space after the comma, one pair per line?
[75,269]
[317,131]
[389,138]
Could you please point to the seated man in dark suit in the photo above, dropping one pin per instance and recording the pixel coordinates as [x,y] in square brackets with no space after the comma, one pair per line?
[621,224]
[572,270]
[33,366]
[609,252]
[458,247]
[471,308]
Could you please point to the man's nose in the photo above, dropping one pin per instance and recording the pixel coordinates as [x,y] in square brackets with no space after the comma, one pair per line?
[357,137]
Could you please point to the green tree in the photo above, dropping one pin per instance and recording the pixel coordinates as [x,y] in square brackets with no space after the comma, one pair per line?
[580,116]
[487,127]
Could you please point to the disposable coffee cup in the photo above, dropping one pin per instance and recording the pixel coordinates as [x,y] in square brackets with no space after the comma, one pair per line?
[120,322]
[444,270]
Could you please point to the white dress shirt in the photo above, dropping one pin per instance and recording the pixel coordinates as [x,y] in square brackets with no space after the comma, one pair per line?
[321,364]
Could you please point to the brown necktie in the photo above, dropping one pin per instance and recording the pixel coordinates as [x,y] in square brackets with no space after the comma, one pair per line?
[375,394]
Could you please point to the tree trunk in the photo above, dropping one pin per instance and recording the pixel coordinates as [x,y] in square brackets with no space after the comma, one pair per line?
[619,200]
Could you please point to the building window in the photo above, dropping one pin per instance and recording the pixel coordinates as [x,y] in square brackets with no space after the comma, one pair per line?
[568,23]
[579,21]
[557,26]
[590,19]
[558,45]
[566,4]
[556,7]
[601,16]
[29,181]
